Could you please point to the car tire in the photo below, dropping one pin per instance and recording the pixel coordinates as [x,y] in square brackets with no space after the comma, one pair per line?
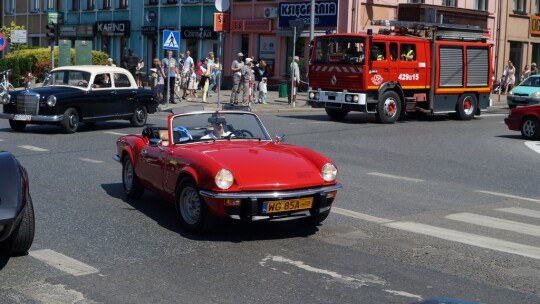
[389,107]
[130,181]
[466,107]
[336,114]
[17,126]
[530,128]
[192,210]
[316,219]
[21,239]
[139,116]
[70,121]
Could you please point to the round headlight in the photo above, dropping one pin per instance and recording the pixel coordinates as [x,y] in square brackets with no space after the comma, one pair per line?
[356,98]
[224,179]
[536,94]
[6,98]
[348,98]
[311,95]
[51,101]
[329,172]
[317,95]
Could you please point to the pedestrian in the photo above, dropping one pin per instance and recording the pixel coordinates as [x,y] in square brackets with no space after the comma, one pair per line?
[525,74]
[534,70]
[212,77]
[186,68]
[205,78]
[510,76]
[192,87]
[263,90]
[217,74]
[236,68]
[295,78]
[248,80]
[138,72]
[259,70]
[110,62]
[158,75]
[199,73]
[170,68]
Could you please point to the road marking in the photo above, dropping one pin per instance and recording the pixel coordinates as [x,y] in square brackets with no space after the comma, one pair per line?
[1,139]
[533,145]
[521,211]
[362,216]
[50,293]
[63,262]
[310,122]
[91,160]
[493,115]
[115,133]
[33,148]
[509,196]
[361,280]
[396,177]
[497,223]
[468,238]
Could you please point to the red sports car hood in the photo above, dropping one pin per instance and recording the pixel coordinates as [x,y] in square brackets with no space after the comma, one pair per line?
[266,165]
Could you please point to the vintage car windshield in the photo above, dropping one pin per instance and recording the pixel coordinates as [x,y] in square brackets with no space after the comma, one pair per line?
[339,49]
[200,127]
[68,78]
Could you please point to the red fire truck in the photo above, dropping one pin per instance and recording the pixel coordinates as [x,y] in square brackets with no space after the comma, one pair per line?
[410,67]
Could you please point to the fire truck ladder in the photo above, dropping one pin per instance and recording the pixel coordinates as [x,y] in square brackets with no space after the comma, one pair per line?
[439,31]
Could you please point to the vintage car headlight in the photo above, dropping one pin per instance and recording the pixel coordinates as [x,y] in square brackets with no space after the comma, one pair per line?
[224,179]
[329,172]
[5,98]
[536,94]
[51,101]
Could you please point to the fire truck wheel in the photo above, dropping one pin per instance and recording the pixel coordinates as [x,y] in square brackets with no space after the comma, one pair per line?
[389,107]
[466,107]
[336,114]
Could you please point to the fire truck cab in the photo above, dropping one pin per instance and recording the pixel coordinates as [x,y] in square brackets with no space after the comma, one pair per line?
[431,68]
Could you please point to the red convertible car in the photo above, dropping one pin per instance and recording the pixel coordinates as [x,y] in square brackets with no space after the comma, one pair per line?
[225,164]
[525,119]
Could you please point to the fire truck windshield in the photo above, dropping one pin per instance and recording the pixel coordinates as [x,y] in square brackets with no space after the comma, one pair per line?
[339,49]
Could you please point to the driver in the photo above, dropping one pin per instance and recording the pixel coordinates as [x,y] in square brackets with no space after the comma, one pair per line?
[218,123]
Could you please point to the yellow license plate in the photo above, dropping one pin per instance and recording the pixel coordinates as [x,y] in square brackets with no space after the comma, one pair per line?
[287,205]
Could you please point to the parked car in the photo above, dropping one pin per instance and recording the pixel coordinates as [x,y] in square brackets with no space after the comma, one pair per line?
[16,209]
[525,119]
[75,94]
[225,164]
[526,93]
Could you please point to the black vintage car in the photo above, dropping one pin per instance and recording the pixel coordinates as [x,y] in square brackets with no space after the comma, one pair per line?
[75,94]
[16,209]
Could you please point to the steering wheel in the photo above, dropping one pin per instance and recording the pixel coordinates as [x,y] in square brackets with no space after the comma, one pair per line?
[242,133]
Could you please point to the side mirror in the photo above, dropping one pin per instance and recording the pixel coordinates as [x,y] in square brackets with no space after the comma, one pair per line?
[279,138]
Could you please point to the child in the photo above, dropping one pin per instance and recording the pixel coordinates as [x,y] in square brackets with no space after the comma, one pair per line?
[263,89]
[192,86]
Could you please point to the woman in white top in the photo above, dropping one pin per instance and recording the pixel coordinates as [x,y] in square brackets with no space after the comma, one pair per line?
[510,77]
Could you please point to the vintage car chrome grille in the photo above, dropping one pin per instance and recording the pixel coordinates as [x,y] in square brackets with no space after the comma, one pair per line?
[28,103]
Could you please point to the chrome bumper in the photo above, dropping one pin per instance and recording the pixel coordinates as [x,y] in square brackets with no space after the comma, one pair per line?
[269,194]
[37,118]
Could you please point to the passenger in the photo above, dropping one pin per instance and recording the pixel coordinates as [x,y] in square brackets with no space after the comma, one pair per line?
[218,123]
[408,53]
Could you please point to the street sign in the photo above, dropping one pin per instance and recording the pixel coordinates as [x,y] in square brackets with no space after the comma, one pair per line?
[221,22]
[55,17]
[171,40]
[18,36]
[3,42]
[222,5]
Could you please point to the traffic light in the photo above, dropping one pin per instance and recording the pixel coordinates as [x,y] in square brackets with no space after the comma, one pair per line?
[51,34]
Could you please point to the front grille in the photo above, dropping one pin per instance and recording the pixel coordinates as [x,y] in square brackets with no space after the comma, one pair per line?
[28,103]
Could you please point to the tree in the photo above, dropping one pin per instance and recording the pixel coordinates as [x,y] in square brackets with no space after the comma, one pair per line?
[6,30]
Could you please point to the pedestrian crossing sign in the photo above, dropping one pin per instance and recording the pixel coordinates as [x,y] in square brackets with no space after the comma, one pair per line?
[171,40]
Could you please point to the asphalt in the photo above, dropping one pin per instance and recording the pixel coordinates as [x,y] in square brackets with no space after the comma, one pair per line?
[275,103]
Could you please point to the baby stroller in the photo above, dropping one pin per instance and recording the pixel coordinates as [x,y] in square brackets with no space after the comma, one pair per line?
[500,86]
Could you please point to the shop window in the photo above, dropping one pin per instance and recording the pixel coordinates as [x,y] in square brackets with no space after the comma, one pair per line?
[519,6]
[481,5]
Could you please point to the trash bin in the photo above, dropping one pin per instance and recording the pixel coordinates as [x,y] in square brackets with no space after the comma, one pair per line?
[283,90]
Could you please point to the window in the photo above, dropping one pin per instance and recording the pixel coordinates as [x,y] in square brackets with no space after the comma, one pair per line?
[537,5]
[451,3]
[172,1]
[481,5]
[107,4]
[393,51]
[121,81]
[519,6]
[123,4]
[408,52]
[10,6]
[152,2]
[378,52]
[90,4]
[415,1]
[50,5]
[36,5]
[75,5]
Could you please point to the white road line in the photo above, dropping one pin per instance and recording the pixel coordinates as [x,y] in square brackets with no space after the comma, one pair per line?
[115,133]
[91,160]
[33,148]
[469,239]
[63,262]
[509,196]
[497,223]
[521,211]
[396,177]
[362,216]
[311,122]
[1,139]
[493,115]
[533,145]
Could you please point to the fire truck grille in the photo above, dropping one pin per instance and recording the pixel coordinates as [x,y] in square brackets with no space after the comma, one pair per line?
[28,104]
[336,81]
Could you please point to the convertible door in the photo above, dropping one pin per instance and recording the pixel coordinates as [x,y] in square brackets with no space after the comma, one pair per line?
[151,166]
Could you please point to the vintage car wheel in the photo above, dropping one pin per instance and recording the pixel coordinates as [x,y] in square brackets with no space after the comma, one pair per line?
[316,219]
[336,114]
[16,125]
[70,122]
[139,117]
[530,128]
[389,107]
[22,237]
[130,181]
[192,210]
[466,107]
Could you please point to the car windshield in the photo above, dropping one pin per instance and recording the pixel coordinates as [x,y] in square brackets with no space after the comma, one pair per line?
[531,82]
[210,126]
[68,78]
[338,49]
